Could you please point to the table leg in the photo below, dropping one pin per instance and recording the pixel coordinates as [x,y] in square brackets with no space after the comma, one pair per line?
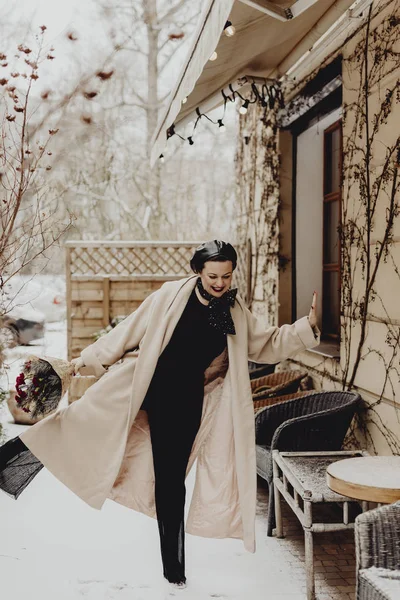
[309,552]
[309,547]
[278,513]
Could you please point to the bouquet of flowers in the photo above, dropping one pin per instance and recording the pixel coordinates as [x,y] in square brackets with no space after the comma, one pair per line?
[42,383]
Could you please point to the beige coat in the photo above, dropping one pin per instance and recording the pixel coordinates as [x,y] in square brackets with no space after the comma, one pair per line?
[100,445]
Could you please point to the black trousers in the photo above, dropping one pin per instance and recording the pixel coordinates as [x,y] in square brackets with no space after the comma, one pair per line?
[173,429]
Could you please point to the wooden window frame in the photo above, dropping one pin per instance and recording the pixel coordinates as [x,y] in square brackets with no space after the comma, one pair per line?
[332,197]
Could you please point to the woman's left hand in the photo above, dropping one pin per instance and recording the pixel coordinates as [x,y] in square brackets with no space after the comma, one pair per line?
[78,364]
[312,317]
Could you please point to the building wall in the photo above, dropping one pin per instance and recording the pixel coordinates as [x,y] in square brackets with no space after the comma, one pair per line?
[257,163]
[372,335]
[376,375]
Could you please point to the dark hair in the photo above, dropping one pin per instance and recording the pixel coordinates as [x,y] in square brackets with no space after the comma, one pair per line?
[215,250]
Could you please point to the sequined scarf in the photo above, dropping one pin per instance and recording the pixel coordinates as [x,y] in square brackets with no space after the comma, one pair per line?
[219,315]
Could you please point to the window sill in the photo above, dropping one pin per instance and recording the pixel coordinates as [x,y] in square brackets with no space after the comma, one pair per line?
[328,349]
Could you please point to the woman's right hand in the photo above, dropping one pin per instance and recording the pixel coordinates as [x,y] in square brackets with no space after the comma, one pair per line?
[78,364]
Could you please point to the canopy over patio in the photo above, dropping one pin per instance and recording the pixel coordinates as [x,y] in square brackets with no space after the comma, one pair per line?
[270,37]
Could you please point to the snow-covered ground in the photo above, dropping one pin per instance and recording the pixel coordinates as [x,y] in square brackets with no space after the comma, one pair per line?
[43,294]
[55,547]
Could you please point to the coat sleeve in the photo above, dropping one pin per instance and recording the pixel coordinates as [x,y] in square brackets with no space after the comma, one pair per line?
[125,336]
[273,344]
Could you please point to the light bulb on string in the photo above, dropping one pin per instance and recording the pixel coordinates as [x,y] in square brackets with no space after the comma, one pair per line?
[229,29]
[184,100]
[244,107]
[213,56]
[171,131]
[162,158]
[221,126]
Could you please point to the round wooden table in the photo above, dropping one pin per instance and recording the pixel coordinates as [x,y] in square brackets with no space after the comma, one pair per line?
[370,478]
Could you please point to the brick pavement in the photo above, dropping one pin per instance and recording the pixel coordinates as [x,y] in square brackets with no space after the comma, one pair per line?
[334,555]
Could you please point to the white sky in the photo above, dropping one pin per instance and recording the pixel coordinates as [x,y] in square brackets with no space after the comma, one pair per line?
[83,18]
[57,15]
[60,18]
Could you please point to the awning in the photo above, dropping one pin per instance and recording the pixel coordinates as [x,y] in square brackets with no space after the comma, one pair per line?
[270,37]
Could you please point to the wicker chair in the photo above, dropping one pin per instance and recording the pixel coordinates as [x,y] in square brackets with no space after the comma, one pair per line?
[258,370]
[317,421]
[259,404]
[377,535]
[277,384]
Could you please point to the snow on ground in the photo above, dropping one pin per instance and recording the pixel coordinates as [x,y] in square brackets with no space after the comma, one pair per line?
[55,547]
[44,294]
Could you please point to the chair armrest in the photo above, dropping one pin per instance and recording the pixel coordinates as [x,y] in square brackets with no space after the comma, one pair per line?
[377,537]
[322,430]
[294,419]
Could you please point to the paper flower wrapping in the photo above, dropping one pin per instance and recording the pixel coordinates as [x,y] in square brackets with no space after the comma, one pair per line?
[42,383]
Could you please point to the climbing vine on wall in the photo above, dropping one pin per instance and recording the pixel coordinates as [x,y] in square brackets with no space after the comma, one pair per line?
[258,205]
[370,207]
[369,233]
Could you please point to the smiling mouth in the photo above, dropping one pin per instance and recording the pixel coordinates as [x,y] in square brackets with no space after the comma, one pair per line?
[217,289]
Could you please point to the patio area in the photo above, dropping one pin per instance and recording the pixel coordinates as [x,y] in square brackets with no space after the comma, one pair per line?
[334,555]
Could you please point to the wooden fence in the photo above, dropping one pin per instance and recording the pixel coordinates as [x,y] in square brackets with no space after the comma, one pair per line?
[110,279]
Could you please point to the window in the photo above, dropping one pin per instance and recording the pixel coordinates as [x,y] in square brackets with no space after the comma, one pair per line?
[331,222]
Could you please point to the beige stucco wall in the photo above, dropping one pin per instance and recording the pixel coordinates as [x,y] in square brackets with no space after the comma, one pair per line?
[257,207]
[259,203]
[377,376]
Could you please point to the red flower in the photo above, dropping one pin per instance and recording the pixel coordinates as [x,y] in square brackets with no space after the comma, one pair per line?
[18,399]
[25,409]
[20,379]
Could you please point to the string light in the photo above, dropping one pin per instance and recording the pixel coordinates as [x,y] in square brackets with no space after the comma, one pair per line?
[162,159]
[171,131]
[213,56]
[269,95]
[229,29]
[244,107]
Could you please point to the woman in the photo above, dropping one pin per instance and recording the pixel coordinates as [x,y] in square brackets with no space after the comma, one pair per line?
[174,387]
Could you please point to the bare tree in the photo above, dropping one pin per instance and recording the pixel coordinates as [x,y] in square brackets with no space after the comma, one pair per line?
[27,228]
[30,123]
[106,119]
[146,36]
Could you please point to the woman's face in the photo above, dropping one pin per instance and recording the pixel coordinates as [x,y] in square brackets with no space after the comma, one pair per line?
[216,277]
